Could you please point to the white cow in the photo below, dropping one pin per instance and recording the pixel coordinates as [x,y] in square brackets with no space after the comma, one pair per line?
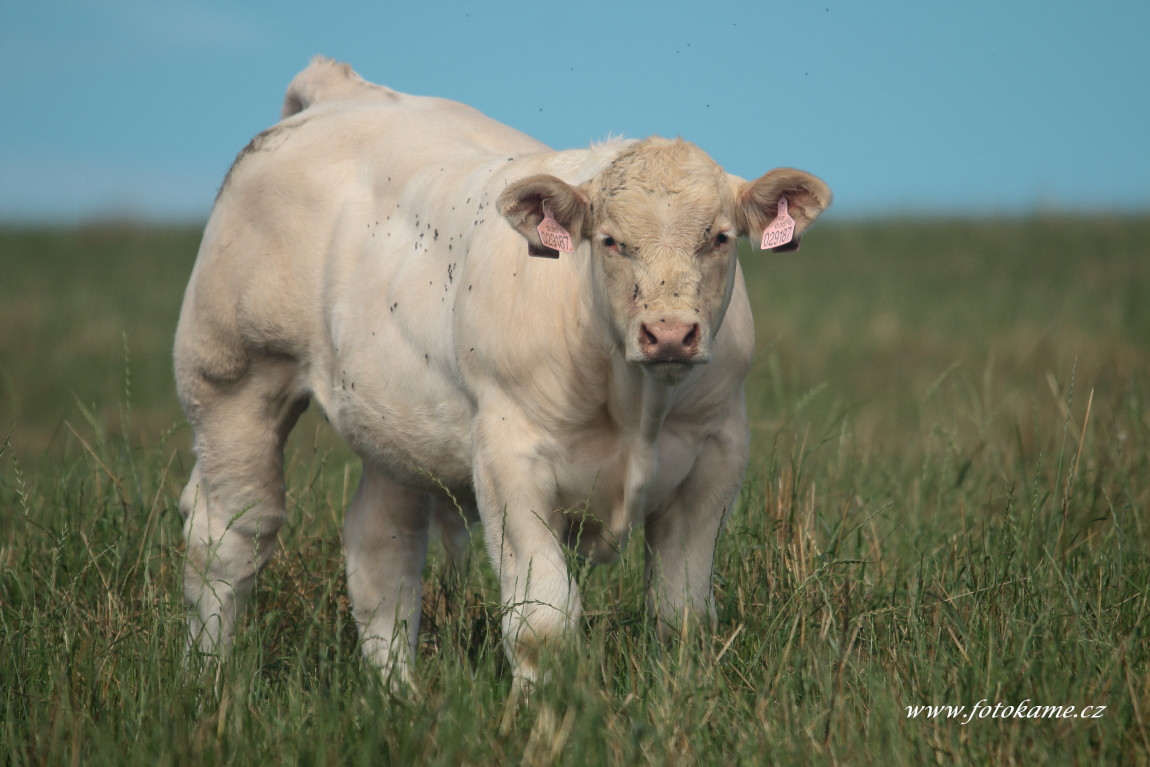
[376,251]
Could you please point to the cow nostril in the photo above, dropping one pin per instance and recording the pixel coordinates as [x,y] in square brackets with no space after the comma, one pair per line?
[677,340]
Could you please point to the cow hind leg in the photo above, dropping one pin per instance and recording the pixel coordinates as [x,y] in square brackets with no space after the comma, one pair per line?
[233,504]
[385,542]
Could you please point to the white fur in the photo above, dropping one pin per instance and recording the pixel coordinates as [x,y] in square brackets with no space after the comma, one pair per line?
[356,256]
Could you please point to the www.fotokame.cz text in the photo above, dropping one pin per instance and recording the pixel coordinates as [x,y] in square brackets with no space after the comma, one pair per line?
[1023,710]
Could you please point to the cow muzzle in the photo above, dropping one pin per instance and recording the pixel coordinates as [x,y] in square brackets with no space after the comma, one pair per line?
[668,349]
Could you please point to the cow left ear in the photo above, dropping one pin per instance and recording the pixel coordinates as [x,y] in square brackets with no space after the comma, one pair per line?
[523,202]
[757,202]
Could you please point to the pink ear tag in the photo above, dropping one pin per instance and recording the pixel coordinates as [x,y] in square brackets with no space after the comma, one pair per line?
[781,230]
[552,233]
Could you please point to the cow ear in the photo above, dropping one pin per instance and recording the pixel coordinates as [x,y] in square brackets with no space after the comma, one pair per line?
[522,205]
[757,202]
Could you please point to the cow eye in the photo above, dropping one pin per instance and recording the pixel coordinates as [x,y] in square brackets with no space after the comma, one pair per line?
[722,239]
[609,243]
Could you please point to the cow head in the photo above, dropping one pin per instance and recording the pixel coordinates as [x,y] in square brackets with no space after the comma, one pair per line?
[661,221]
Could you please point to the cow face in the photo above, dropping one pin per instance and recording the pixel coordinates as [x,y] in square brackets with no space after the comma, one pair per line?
[662,222]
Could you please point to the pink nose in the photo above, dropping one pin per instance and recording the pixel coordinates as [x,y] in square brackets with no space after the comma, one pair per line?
[665,341]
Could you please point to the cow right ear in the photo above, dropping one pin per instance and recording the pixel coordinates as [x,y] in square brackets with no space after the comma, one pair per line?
[528,201]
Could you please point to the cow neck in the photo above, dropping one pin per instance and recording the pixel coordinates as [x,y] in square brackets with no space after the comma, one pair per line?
[640,406]
[656,403]
[636,403]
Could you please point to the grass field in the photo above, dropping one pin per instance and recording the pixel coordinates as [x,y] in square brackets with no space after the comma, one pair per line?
[947,504]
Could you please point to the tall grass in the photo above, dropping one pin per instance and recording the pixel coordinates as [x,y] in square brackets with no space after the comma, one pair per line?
[946,505]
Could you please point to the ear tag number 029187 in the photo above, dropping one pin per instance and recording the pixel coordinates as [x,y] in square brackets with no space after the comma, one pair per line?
[780,231]
[552,233]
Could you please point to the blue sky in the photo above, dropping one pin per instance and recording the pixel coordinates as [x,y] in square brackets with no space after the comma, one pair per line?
[135,109]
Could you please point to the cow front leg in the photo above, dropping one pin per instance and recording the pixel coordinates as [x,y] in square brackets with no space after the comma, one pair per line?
[681,538]
[540,601]
[385,541]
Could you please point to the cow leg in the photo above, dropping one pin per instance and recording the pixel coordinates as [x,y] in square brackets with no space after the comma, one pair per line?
[455,536]
[681,538]
[385,540]
[516,498]
[233,504]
